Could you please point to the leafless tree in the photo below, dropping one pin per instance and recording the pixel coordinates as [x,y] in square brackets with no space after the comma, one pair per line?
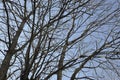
[59,39]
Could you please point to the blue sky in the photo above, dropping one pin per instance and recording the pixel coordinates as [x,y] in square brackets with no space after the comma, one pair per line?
[88,44]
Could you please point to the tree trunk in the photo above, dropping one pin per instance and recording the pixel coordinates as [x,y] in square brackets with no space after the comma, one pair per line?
[5,66]
[61,61]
